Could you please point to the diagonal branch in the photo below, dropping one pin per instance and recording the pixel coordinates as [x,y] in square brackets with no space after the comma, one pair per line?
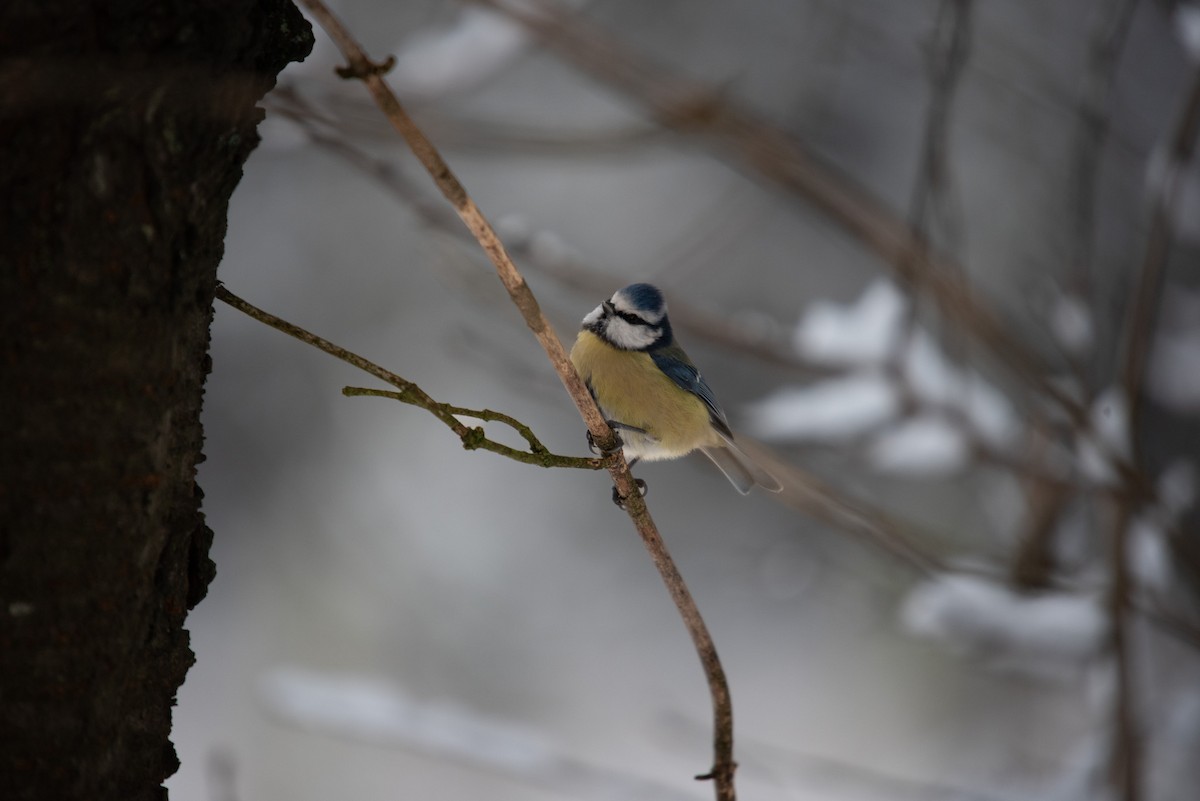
[370,73]
[1138,329]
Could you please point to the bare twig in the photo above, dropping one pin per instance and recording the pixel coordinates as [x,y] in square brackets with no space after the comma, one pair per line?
[1107,42]
[370,73]
[948,54]
[478,134]
[473,438]
[1033,564]
[1125,764]
[810,494]
[1138,329]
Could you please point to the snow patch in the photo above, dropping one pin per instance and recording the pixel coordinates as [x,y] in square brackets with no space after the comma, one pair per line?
[1046,634]
[925,446]
[376,711]
[460,57]
[1107,437]
[863,332]
[1071,325]
[827,411]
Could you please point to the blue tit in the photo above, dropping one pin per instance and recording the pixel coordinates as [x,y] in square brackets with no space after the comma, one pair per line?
[649,390]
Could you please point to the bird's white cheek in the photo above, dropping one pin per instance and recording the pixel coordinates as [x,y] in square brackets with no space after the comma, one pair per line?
[631,337]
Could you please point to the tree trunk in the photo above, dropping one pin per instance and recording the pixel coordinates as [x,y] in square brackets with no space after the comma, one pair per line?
[124,125]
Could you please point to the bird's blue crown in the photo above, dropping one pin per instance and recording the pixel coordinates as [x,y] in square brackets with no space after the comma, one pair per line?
[646,297]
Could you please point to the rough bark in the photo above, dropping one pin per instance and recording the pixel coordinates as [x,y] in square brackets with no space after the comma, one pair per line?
[124,125]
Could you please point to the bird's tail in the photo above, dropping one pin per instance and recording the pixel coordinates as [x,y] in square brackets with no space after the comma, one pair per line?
[742,471]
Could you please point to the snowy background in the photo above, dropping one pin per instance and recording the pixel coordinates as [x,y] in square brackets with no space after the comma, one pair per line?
[395,617]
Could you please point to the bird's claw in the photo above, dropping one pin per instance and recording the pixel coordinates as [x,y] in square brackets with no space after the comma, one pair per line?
[619,499]
[596,449]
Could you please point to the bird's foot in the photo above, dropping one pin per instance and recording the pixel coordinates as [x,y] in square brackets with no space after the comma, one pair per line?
[616,428]
[619,499]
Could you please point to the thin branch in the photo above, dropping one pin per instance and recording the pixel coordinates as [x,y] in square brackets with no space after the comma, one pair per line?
[816,498]
[947,58]
[1107,42]
[1125,764]
[473,438]
[1138,329]
[481,134]
[370,73]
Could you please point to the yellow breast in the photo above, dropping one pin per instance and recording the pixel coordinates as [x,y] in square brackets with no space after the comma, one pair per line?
[630,389]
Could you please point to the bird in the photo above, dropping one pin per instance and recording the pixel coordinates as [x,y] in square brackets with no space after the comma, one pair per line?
[651,393]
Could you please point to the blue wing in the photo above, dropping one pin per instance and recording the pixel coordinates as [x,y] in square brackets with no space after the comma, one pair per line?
[675,363]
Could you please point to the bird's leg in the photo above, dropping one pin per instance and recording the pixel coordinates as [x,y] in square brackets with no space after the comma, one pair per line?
[617,429]
[621,501]
[594,448]
[641,485]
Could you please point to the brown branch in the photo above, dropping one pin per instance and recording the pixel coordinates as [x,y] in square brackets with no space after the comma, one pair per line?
[814,497]
[364,69]
[1125,764]
[473,438]
[1107,42]
[947,58]
[1138,329]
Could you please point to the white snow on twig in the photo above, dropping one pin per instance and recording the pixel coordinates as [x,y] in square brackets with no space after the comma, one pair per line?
[1148,546]
[1176,186]
[1071,325]
[1107,437]
[863,332]
[988,409]
[1149,557]
[1187,29]
[829,410]
[378,712]
[934,379]
[867,336]
[930,376]
[1174,372]
[373,710]
[1177,488]
[435,63]
[924,446]
[1046,634]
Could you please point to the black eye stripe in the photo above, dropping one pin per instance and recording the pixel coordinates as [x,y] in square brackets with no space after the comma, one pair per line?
[628,317]
[632,319]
